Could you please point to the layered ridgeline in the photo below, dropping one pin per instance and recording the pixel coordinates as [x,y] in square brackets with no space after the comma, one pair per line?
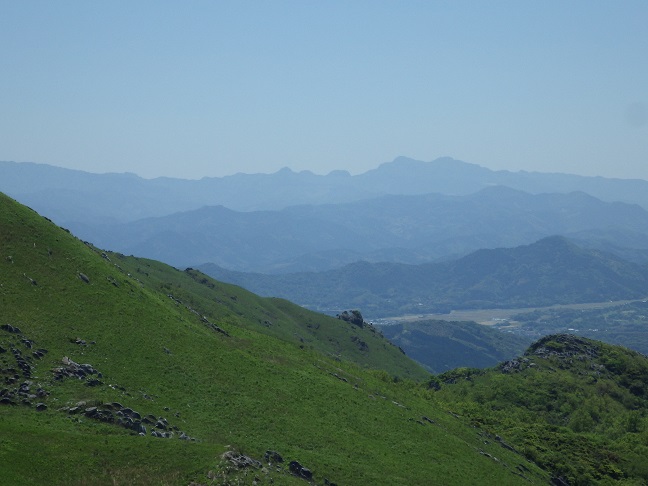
[400,229]
[124,371]
[85,197]
[404,211]
[550,271]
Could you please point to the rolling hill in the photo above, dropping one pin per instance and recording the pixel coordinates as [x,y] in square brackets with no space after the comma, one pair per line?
[573,405]
[116,371]
[549,271]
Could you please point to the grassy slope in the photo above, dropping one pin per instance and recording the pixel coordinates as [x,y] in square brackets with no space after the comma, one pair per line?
[576,406]
[226,304]
[248,391]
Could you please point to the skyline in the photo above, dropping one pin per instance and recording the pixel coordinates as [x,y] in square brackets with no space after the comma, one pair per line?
[160,90]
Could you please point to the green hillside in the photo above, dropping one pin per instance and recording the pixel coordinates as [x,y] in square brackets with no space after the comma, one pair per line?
[227,305]
[575,406]
[116,370]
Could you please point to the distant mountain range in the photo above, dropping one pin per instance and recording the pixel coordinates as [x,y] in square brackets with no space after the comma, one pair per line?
[401,229]
[72,196]
[550,271]
[405,211]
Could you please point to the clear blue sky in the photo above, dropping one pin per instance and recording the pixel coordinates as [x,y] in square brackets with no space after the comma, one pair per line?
[210,88]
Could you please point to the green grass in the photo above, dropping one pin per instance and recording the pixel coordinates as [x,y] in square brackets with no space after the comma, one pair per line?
[575,406]
[300,386]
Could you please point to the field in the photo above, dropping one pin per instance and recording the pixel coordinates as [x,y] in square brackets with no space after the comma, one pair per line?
[490,317]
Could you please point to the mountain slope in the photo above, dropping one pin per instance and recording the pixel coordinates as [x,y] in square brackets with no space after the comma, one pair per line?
[405,229]
[574,405]
[444,345]
[547,272]
[104,375]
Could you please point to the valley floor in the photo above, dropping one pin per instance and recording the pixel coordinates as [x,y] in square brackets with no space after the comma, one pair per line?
[491,317]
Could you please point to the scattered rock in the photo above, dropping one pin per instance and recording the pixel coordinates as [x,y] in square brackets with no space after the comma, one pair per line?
[10,328]
[241,460]
[362,346]
[298,470]
[76,370]
[273,457]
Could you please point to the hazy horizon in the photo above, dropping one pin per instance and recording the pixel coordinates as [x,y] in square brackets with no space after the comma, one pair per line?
[210,89]
[321,173]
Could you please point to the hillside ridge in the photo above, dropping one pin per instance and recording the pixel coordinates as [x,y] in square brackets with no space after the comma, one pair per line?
[121,360]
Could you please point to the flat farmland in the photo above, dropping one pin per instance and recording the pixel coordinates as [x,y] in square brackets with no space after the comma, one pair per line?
[490,317]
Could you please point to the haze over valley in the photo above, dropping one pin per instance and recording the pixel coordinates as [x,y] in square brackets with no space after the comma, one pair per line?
[380,244]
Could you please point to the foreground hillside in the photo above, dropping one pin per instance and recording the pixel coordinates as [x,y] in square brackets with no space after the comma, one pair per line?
[575,406]
[115,372]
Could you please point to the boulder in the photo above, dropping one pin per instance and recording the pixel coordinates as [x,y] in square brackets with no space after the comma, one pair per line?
[298,470]
[10,328]
[241,460]
[273,457]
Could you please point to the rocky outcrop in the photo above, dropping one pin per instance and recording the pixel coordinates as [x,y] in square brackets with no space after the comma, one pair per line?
[353,317]
[10,328]
[19,389]
[17,368]
[563,346]
[300,471]
[241,460]
[70,369]
[115,413]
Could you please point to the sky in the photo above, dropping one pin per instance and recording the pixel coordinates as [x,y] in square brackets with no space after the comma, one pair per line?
[211,88]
